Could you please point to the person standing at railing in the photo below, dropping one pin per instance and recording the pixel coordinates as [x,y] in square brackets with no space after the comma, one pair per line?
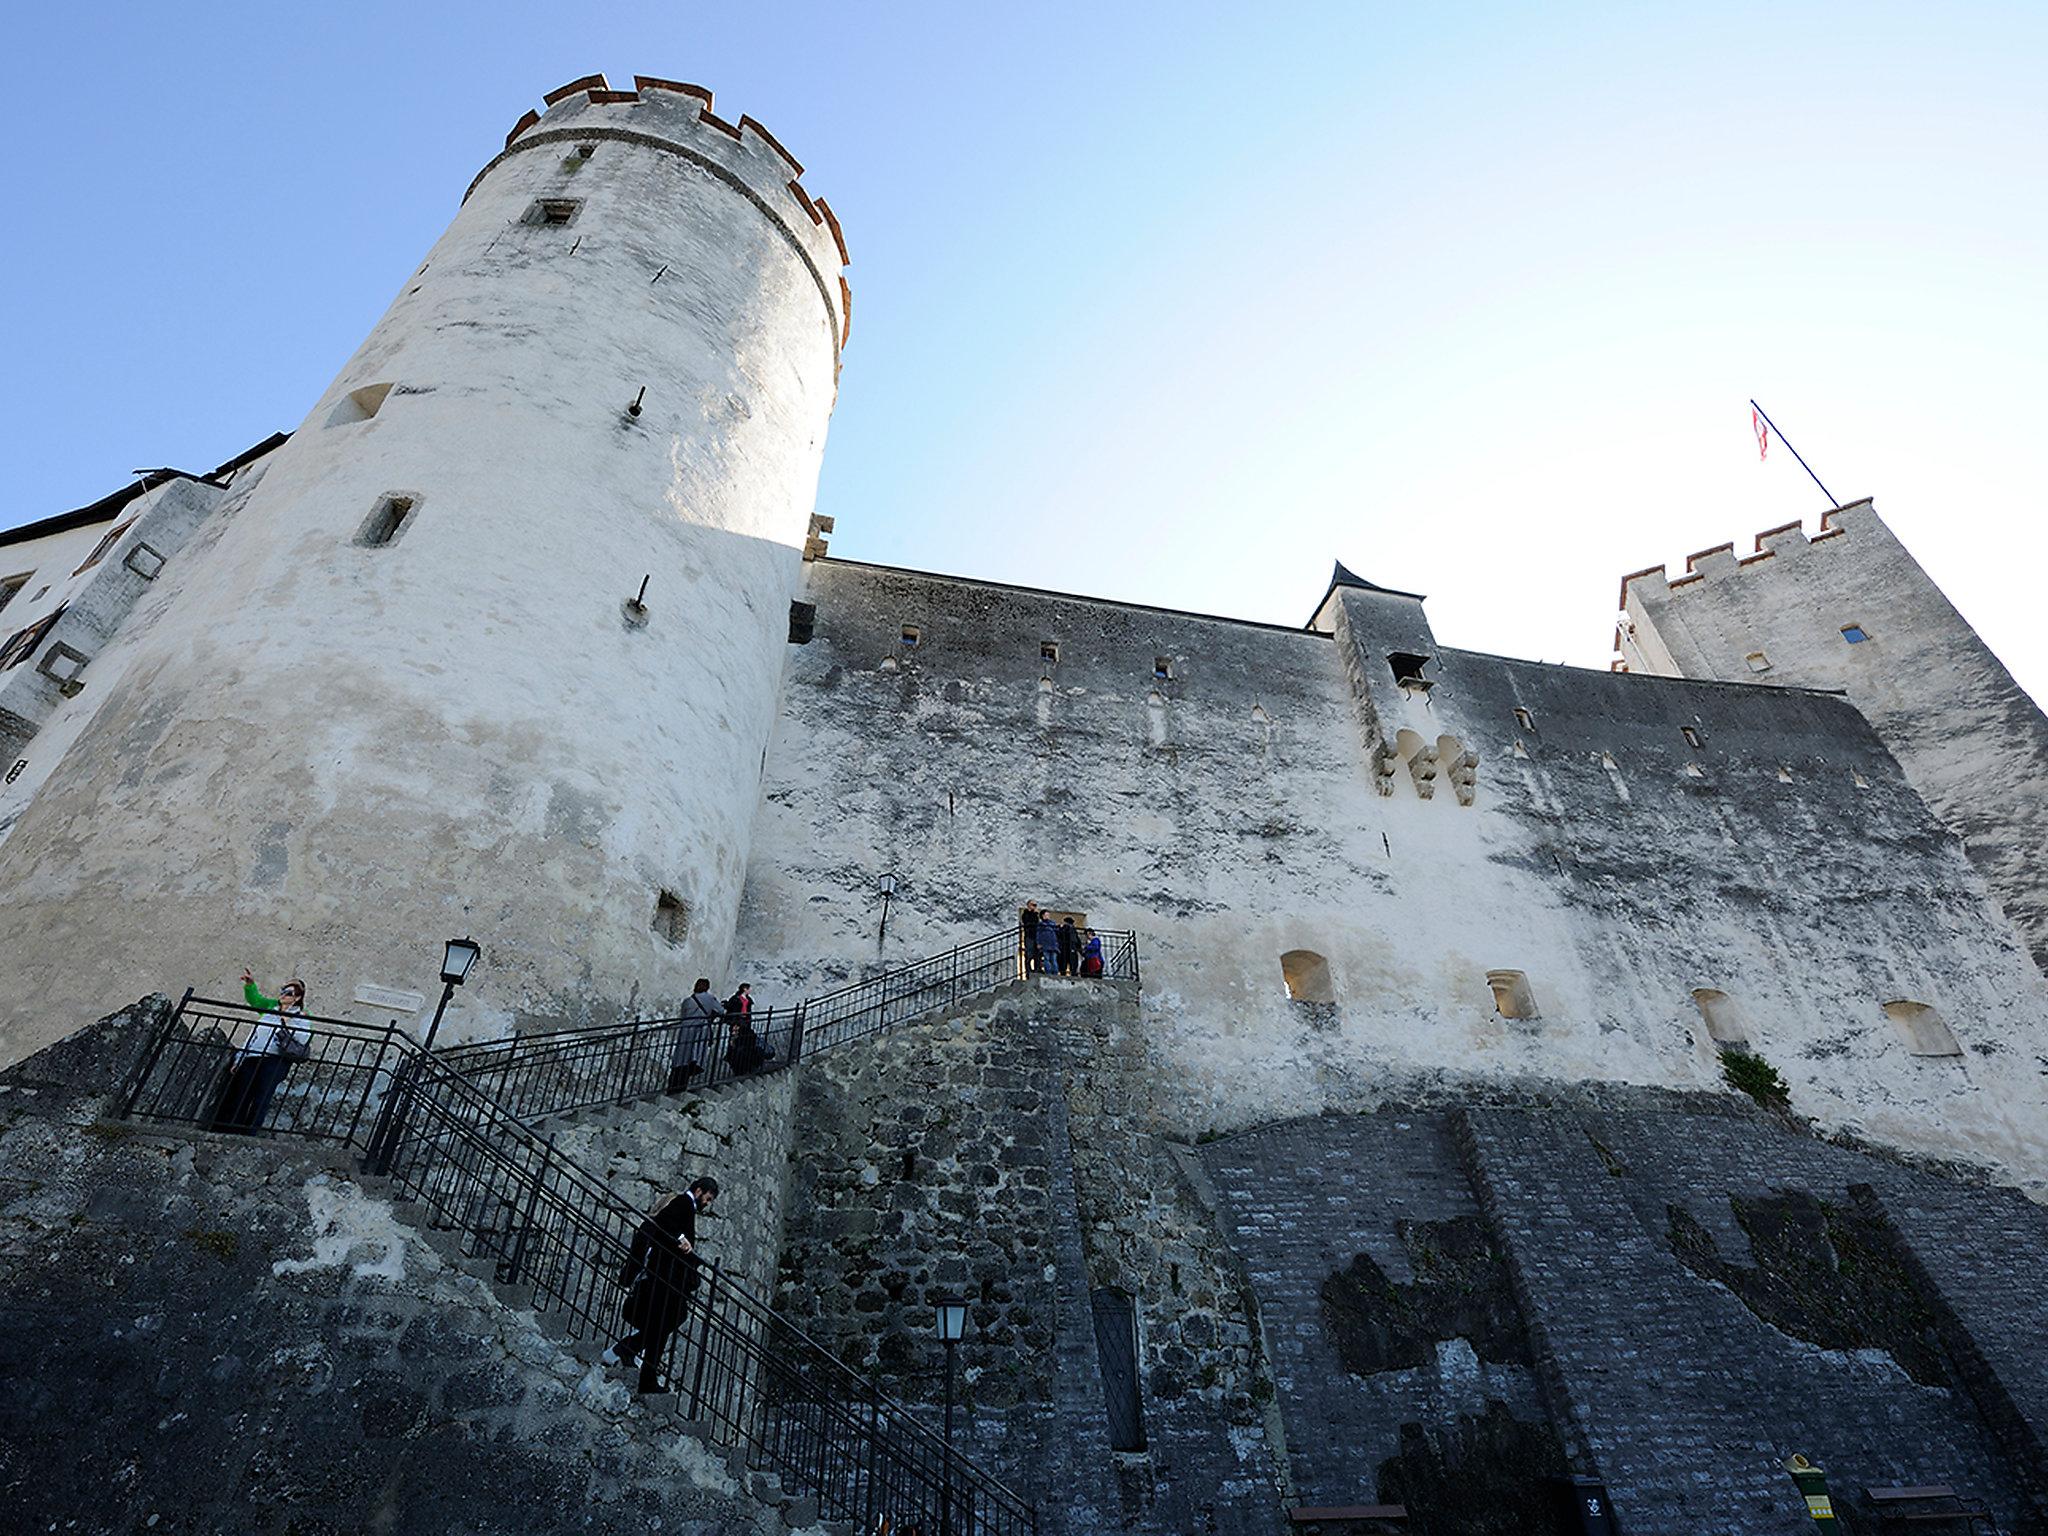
[1070,949]
[660,1276]
[1027,935]
[1048,946]
[1091,954]
[746,1053]
[701,1010]
[262,1060]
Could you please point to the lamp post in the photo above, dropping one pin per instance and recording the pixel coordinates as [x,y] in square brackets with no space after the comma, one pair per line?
[456,959]
[888,888]
[952,1320]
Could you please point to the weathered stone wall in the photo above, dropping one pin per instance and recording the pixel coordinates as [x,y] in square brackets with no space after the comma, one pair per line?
[1025,1170]
[226,1335]
[1233,812]
[739,1133]
[1967,735]
[327,757]
[1698,1291]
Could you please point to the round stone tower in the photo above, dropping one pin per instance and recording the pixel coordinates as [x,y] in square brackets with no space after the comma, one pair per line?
[407,689]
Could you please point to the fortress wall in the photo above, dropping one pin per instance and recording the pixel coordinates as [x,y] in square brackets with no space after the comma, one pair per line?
[1969,738]
[337,748]
[1029,1175]
[1234,813]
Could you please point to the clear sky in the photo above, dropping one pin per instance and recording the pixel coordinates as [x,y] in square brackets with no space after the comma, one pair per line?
[1173,302]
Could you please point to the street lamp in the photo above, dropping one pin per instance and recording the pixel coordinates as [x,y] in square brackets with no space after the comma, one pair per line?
[952,1320]
[888,889]
[456,960]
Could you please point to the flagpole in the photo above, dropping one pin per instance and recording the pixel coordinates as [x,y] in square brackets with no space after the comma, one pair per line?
[1795,454]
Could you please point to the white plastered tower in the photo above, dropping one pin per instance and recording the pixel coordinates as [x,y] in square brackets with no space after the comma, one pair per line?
[326,753]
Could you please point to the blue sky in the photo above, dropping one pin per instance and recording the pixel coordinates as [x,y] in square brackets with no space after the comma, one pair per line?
[1173,303]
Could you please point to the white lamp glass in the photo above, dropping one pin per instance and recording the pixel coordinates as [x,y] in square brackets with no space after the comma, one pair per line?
[462,954]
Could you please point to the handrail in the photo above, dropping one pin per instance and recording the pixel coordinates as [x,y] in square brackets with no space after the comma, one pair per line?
[555,1071]
[750,1376]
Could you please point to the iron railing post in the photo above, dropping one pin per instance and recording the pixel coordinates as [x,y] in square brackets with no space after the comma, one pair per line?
[703,1343]
[540,1174]
[151,1054]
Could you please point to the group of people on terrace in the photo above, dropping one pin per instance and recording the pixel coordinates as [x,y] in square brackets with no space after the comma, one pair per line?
[1056,949]
[702,1013]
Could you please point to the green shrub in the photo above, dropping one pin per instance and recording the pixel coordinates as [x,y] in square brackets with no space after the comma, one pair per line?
[1752,1075]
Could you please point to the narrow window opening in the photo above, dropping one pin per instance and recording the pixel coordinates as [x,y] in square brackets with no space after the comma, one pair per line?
[358,405]
[803,622]
[671,922]
[554,212]
[1525,719]
[1923,1029]
[11,587]
[1511,994]
[107,541]
[1116,1347]
[1162,669]
[1758,661]
[574,161]
[1408,667]
[1854,634]
[913,637]
[1725,1026]
[1049,650]
[1307,975]
[386,521]
[1692,736]
[23,642]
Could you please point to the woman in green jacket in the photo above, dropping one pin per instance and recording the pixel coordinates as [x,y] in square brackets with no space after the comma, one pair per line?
[261,1061]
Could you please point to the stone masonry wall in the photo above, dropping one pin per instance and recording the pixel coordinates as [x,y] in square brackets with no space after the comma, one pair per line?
[225,1335]
[1011,1152]
[739,1134]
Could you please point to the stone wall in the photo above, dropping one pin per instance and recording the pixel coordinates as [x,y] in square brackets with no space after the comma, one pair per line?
[1627,842]
[740,1134]
[1696,1291]
[1011,1153]
[1967,735]
[224,1335]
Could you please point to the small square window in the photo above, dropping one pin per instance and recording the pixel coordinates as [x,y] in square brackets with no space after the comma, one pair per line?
[387,520]
[577,156]
[1692,736]
[1049,650]
[671,922]
[1162,669]
[912,637]
[553,211]
[144,560]
[1758,661]
[1525,719]
[1853,633]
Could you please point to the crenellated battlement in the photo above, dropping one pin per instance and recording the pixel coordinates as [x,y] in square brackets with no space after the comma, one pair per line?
[1719,559]
[678,117]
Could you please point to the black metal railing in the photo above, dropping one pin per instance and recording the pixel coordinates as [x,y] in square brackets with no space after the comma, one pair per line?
[208,1067]
[563,1069]
[560,1070]
[862,1007]
[750,1377]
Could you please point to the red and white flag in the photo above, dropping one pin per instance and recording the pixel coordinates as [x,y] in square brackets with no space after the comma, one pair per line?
[1763,433]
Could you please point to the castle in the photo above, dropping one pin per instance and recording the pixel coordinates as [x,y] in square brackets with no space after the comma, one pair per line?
[530,631]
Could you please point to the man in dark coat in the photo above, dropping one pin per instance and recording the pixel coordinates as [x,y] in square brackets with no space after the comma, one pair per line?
[661,1274]
[1070,949]
[1027,933]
